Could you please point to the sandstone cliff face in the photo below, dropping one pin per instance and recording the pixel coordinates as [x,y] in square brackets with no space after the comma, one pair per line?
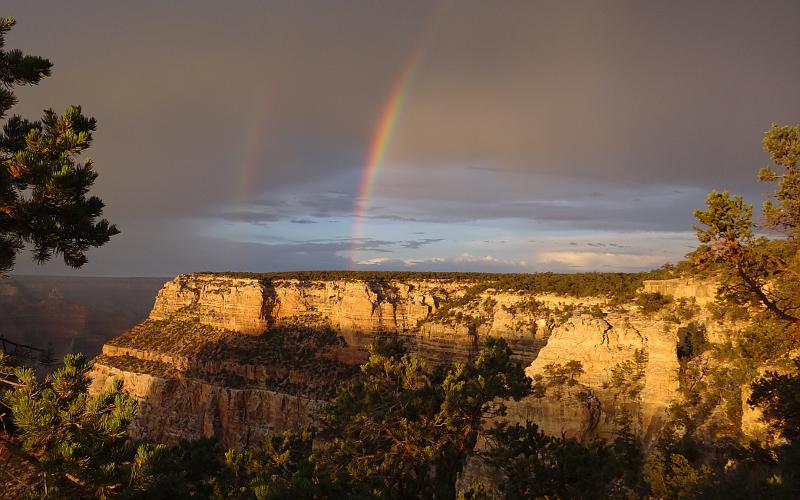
[702,291]
[251,306]
[173,406]
[219,355]
[231,304]
[612,350]
[359,309]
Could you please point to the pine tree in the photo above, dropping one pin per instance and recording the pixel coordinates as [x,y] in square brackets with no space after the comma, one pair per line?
[404,431]
[81,441]
[77,439]
[401,430]
[535,465]
[43,181]
[755,269]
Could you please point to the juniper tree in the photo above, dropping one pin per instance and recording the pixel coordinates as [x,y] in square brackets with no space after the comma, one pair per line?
[44,182]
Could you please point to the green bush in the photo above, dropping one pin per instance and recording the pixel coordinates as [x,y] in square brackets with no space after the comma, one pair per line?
[652,302]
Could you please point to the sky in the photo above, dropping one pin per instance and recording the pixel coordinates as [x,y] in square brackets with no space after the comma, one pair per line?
[407,135]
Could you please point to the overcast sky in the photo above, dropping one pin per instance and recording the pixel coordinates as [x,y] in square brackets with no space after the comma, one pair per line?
[565,136]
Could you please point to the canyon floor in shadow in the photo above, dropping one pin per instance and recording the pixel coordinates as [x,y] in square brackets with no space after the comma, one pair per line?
[72,314]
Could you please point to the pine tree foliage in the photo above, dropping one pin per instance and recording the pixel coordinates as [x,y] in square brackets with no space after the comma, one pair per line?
[81,441]
[783,146]
[283,467]
[77,438]
[535,465]
[755,269]
[44,182]
[778,395]
[400,424]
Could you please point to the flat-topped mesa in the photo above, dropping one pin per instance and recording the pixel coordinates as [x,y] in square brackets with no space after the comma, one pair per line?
[250,305]
[358,309]
[239,305]
[237,357]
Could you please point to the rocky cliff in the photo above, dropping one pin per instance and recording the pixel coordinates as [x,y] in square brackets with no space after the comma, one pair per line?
[237,357]
[703,292]
[440,316]
[626,363]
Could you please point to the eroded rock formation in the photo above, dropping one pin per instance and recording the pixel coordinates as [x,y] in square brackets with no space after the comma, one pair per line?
[238,357]
[72,314]
[701,291]
[616,353]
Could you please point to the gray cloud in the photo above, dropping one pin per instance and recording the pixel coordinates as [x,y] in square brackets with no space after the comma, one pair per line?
[419,243]
[249,217]
[398,218]
[576,115]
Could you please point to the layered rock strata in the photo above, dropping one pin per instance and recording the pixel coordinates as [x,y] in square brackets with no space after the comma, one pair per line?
[624,364]
[239,357]
[703,292]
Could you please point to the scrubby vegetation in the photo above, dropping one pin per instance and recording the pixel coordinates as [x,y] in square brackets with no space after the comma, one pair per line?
[295,357]
[652,302]
[682,310]
[618,286]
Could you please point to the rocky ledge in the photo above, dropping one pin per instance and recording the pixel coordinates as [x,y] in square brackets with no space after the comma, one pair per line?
[238,357]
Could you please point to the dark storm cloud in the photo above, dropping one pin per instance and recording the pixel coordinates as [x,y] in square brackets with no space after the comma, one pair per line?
[306,201]
[610,115]
[480,195]
[676,93]
[377,245]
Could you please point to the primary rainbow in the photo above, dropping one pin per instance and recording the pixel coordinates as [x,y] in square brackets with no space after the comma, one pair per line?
[382,137]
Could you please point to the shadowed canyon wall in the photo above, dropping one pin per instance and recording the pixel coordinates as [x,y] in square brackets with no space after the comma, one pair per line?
[72,314]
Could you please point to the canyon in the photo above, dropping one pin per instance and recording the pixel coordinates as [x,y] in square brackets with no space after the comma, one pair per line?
[65,314]
[238,357]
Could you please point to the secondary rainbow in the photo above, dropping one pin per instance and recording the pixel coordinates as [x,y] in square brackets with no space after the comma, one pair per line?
[254,145]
